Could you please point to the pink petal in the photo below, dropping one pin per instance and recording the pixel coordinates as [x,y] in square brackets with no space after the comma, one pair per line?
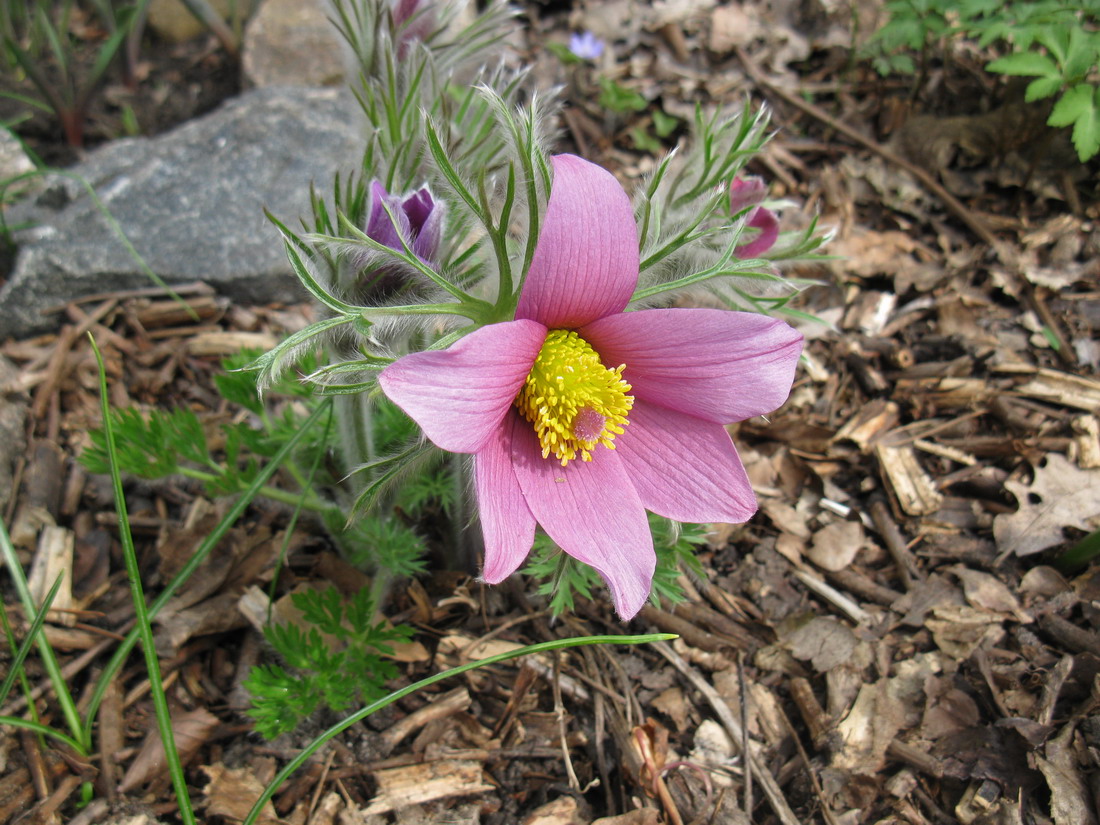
[768,224]
[506,521]
[586,261]
[684,468]
[746,192]
[459,395]
[592,511]
[713,364]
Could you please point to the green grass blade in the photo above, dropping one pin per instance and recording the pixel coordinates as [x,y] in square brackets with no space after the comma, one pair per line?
[43,730]
[32,634]
[137,594]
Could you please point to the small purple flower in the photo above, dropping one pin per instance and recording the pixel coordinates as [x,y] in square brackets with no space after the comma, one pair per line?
[415,218]
[746,193]
[586,45]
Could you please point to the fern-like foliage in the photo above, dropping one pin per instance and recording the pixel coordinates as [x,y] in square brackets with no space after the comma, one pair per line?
[314,675]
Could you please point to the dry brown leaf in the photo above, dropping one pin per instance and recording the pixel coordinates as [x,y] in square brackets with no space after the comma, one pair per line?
[785,517]
[190,731]
[1060,495]
[231,793]
[824,642]
[713,749]
[1069,793]
[733,26]
[562,811]
[986,591]
[933,592]
[835,545]
[959,631]
[216,615]
[671,703]
[947,709]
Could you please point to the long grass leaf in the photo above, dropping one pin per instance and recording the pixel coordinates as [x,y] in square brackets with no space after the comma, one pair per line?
[32,634]
[137,594]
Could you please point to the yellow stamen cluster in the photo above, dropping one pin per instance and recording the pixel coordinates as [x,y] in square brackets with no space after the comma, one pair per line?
[572,399]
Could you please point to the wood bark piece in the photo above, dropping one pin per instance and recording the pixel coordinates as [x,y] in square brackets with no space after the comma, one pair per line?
[914,490]
[1063,388]
[690,633]
[157,314]
[54,559]
[869,423]
[1070,635]
[17,791]
[439,707]
[228,343]
[817,721]
[865,587]
[425,782]
[1086,430]
[44,477]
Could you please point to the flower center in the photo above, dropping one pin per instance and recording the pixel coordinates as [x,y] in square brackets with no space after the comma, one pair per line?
[572,399]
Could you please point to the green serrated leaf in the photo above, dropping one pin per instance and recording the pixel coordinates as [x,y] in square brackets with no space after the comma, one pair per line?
[1073,105]
[1042,87]
[1080,56]
[1080,106]
[1025,64]
[322,608]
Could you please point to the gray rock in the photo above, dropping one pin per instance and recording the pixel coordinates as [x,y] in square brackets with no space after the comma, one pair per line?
[293,43]
[190,201]
[13,412]
[13,159]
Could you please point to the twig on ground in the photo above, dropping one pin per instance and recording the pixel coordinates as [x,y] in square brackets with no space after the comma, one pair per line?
[841,602]
[895,543]
[559,712]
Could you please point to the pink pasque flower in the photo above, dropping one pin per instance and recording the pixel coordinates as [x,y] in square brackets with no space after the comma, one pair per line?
[581,416]
[750,192]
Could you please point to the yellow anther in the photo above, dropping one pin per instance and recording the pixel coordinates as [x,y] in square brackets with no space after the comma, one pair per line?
[572,399]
